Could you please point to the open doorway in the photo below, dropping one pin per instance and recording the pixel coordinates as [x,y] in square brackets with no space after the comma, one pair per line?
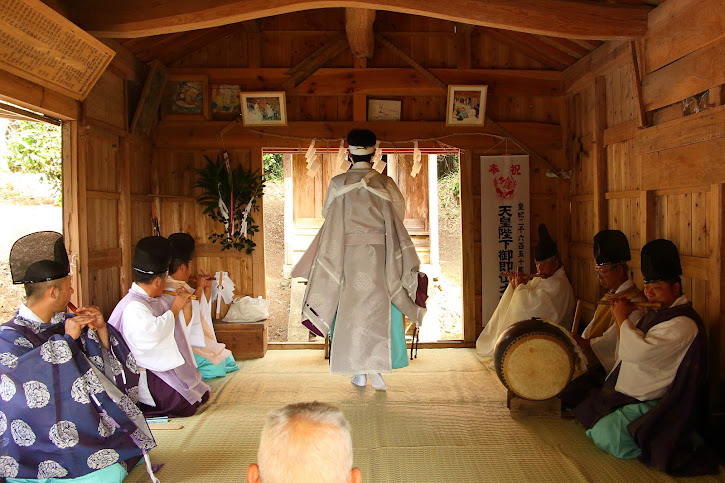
[30,188]
[293,202]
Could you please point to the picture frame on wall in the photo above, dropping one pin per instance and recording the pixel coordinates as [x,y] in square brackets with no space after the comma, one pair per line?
[263,108]
[225,101]
[384,110]
[466,105]
[185,97]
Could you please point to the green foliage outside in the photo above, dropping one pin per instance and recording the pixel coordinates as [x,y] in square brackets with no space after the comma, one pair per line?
[35,147]
[273,166]
[449,185]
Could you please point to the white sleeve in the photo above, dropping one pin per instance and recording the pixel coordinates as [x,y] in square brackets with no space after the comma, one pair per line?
[605,347]
[150,338]
[662,346]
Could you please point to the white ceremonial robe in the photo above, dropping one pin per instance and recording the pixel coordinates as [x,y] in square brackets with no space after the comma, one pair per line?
[200,331]
[549,298]
[361,261]
[649,362]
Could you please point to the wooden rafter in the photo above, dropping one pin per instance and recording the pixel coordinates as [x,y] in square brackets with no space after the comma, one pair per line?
[426,73]
[559,18]
[359,30]
[192,43]
[524,48]
[572,48]
[314,61]
[553,52]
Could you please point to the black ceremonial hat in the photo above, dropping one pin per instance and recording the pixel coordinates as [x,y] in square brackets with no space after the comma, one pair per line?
[182,246]
[361,137]
[660,261]
[610,247]
[152,255]
[546,248]
[39,257]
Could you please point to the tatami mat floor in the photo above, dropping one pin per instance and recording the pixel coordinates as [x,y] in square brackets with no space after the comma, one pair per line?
[443,419]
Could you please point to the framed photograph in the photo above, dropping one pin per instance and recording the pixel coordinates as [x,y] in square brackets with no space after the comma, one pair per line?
[383,110]
[147,108]
[466,105]
[225,104]
[263,108]
[185,97]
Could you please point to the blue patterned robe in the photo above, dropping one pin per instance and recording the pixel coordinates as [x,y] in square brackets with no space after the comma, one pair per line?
[61,415]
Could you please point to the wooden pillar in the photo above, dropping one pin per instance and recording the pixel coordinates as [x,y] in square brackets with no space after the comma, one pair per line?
[124,212]
[289,224]
[716,295]
[600,154]
[435,258]
[75,228]
[259,286]
[472,324]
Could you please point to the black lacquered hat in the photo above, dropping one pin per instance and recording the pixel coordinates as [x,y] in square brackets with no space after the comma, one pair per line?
[660,261]
[611,247]
[152,255]
[546,248]
[39,257]
[182,246]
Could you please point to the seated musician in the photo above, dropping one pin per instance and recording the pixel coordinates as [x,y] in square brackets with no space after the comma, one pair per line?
[68,383]
[547,295]
[170,384]
[652,403]
[212,358]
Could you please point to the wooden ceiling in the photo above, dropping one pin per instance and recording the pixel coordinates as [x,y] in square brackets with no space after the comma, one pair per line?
[555,33]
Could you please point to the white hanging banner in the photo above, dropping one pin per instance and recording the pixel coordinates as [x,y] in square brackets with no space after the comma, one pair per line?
[505,224]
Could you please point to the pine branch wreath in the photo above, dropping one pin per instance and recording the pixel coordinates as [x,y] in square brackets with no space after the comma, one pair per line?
[230,194]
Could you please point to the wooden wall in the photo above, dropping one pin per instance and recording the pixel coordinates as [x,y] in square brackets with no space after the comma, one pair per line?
[640,165]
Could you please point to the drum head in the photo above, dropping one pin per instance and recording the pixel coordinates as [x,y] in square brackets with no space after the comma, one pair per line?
[537,366]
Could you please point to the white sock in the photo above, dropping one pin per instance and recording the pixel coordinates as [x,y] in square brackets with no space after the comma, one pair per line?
[376,380]
[359,380]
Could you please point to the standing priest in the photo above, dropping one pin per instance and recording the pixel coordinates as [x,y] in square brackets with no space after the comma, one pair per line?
[363,271]
[68,383]
[170,384]
[548,295]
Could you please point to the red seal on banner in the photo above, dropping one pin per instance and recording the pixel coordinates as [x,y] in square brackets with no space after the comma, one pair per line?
[505,187]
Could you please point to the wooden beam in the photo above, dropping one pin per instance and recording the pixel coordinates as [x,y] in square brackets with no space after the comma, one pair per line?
[570,47]
[412,62]
[376,81]
[30,95]
[601,219]
[691,165]
[524,48]
[581,75]
[191,42]
[125,61]
[470,224]
[637,80]
[359,30]
[550,50]
[677,28]
[25,115]
[558,18]
[195,134]
[704,126]
[692,74]
[621,132]
[314,61]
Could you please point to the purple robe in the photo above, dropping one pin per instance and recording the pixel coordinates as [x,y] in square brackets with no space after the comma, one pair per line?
[184,379]
[61,416]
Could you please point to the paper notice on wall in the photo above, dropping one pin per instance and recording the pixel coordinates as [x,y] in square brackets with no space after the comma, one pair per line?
[40,45]
[505,224]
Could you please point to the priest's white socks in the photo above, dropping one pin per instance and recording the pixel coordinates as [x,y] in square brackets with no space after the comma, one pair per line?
[376,380]
[359,380]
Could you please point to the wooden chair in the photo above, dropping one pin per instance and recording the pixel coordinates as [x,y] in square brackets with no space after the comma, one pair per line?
[581,306]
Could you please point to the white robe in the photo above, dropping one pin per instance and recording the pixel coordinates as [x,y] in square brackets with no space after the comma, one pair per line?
[361,261]
[649,362]
[549,298]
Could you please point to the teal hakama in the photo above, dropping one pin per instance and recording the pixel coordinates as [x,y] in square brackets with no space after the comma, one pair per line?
[110,474]
[210,371]
[610,432]
[398,351]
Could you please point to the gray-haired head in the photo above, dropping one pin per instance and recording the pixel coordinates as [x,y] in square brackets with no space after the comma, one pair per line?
[305,442]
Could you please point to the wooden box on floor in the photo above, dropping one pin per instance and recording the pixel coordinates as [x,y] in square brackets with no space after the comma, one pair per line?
[246,340]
